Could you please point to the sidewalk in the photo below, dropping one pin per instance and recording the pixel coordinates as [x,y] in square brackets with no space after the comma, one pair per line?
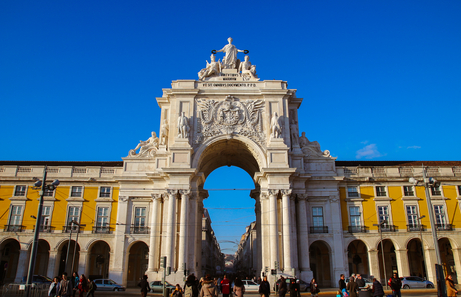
[332,291]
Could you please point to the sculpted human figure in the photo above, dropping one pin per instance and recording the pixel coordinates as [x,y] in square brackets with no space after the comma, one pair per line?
[246,68]
[311,147]
[164,132]
[183,126]
[212,69]
[276,130]
[230,59]
[294,132]
[146,146]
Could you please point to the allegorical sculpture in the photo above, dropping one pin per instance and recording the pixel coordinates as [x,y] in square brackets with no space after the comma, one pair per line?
[230,60]
[146,148]
[164,132]
[276,129]
[212,69]
[247,69]
[183,126]
[294,133]
[311,148]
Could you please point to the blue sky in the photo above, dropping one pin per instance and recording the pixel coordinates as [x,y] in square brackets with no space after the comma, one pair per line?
[380,79]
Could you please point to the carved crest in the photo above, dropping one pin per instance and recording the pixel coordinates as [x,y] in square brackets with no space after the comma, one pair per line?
[229,117]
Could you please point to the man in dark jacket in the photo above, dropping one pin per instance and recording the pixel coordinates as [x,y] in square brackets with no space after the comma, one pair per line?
[342,282]
[282,287]
[360,282]
[396,285]
[144,285]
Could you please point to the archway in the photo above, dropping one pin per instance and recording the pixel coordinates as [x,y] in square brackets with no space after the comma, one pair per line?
[446,255]
[389,258]
[98,260]
[319,256]
[416,259]
[357,255]
[9,251]
[43,256]
[138,256]
[68,252]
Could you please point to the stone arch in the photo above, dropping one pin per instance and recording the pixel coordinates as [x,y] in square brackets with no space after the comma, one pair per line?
[61,248]
[378,241]
[93,241]
[416,259]
[390,258]
[426,245]
[43,256]
[98,259]
[136,262]
[357,254]
[10,249]
[447,256]
[320,262]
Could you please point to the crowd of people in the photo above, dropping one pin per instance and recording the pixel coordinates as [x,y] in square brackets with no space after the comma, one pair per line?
[69,287]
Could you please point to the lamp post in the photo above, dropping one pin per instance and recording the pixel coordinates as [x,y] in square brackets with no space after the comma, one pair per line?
[33,255]
[76,242]
[422,245]
[380,225]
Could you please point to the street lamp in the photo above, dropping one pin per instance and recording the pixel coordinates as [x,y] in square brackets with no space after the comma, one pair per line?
[380,227]
[73,222]
[33,255]
[422,245]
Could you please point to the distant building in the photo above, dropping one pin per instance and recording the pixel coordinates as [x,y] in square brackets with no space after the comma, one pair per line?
[211,251]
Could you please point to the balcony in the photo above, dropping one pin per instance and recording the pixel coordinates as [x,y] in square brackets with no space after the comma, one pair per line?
[387,228]
[139,230]
[358,229]
[13,228]
[444,227]
[102,229]
[45,228]
[73,228]
[414,228]
[318,229]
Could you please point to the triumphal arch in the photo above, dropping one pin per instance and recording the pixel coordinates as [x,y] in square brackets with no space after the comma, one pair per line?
[228,116]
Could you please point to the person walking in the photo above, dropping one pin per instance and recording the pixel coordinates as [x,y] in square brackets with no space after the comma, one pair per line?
[53,290]
[360,281]
[451,289]
[225,286]
[239,288]
[294,288]
[264,288]
[282,287]
[396,285]
[65,287]
[342,282]
[352,287]
[208,288]
[314,288]
[177,291]
[75,280]
[144,285]
[377,290]
[82,285]
[91,288]
[190,287]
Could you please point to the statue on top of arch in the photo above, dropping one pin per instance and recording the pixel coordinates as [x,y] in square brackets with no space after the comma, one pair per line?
[311,148]
[146,148]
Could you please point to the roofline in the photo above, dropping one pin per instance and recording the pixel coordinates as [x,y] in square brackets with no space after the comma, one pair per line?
[64,163]
[398,163]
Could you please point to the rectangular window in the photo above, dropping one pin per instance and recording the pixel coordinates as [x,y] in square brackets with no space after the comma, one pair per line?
[459,190]
[73,215]
[352,192]
[435,191]
[383,215]
[103,217]
[439,216]
[317,216]
[408,191]
[15,217]
[381,191]
[48,192]
[140,217]
[412,216]
[20,191]
[354,212]
[104,192]
[46,218]
[76,191]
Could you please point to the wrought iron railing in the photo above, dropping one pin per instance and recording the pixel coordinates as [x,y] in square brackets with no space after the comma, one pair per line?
[415,227]
[318,229]
[358,229]
[444,227]
[13,228]
[68,228]
[102,229]
[139,230]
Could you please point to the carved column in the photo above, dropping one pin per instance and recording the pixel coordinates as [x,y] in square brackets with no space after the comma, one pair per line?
[23,261]
[153,232]
[265,231]
[171,217]
[374,264]
[303,239]
[293,232]
[402,262]
[273,227]
[183,230]
[286,230]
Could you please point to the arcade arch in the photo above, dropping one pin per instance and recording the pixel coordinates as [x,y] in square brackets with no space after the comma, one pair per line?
[98,259]
[389,258]
[9,251]
[357,255]
[416,259]
[71,253]
[319,256]
[138,255]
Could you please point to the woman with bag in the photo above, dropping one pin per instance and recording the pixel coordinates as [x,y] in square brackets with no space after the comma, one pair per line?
[208,288]
[314,288]
[451,289]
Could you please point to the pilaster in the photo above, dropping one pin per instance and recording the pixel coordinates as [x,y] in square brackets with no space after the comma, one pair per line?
[23,262]
[287,265]
[183,230]
[402,262]
[153,233]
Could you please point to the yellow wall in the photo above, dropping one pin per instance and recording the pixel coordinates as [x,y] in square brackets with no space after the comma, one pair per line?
[33,196]
[453,211]
[5,193]
[398,211]
[344,210]
[368,206]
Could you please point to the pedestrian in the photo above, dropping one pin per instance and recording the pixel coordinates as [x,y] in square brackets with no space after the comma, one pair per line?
[342,282]
[396,285]
[208,288]
[65,287]
[91,288]
[144,285]
[314,288]
[359,280]
[225,286]
[377,290]
[294,288]
[177,291]
[282,287]
[190,287]
[75,280]
[239,288]
[53,290]
[82,285]
[451,289]
[352,287]
[264,288]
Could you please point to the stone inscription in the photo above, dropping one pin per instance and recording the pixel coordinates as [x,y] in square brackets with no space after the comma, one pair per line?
[229,85]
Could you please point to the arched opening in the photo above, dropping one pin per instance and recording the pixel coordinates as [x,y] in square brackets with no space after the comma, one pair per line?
[357,256]
[416,259]
[319,257]
[72,254]
[446,255]
[231,214]
[390,262]
[138,256]
[98,260]
[9,251]
[43,255]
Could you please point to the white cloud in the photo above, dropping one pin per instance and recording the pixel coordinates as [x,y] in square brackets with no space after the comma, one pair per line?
[364,142]
[368,152]
[414,147]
